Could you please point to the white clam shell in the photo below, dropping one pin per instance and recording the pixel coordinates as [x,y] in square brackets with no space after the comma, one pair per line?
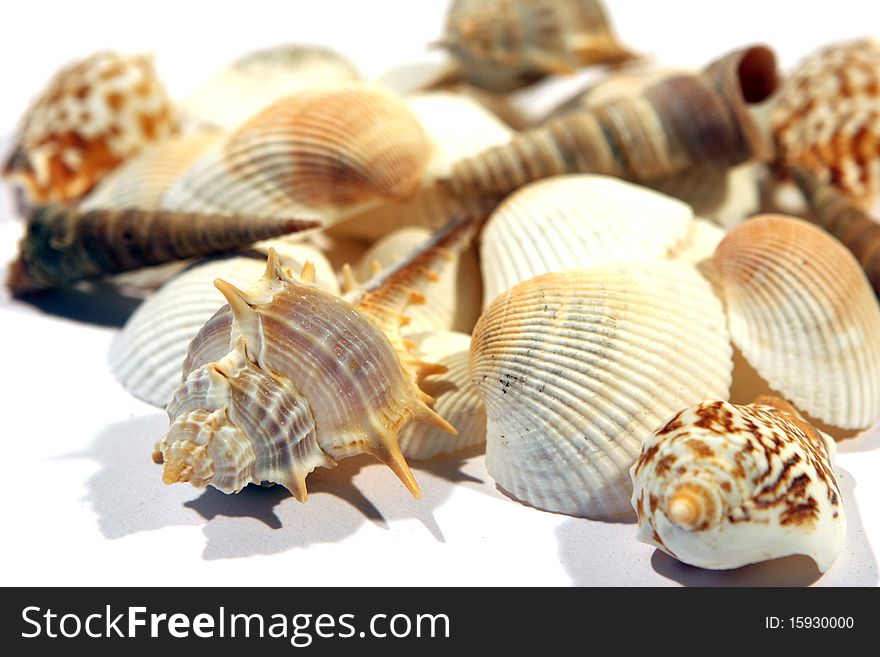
[452,302]
[699,242]
[576,221]
[720,486]
[804,315]
[457,400]
[577,368]
[147,356]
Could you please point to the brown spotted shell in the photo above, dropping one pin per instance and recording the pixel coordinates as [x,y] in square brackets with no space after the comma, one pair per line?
[94,114]
[720,486]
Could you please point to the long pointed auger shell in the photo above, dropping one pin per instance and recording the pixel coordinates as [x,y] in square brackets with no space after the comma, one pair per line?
[287,378]
[147,355]
[804,316]
[63,245]
[681,123]
[455,398]
[503,45]
[576,222]
[721,485]
[577,368]
[324,153]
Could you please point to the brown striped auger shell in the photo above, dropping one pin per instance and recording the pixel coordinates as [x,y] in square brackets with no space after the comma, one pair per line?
[93,114]
[288,377]
[503,45]
[681,123]
[720,486]
[63,245]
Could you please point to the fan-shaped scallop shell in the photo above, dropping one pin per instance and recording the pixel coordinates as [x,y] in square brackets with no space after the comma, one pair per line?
[826,117]
[577,368]
[720,486]
[93,114]
[142,181]
[456,398]
[502,45]
[259,78]
[329,152]
[804,316]
[147,356]
[455,296]
[575,222]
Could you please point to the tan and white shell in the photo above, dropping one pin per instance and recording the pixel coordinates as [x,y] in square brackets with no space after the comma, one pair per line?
[576,368]
[720,486]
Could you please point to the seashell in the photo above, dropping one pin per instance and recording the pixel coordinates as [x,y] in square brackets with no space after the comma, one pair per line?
[576,368]
[575,222]
[840,216]
[63,245]
[804,316]
[456,398]
[642,138]
[826,118]
[288,378]
[93,114]
[457,127]
[503,45]
[455,296]
[326,152]
[146,357]
[141,181]
[261,77]
[720,486]
[698,246]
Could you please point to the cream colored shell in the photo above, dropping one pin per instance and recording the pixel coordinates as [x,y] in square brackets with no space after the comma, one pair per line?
[577,368]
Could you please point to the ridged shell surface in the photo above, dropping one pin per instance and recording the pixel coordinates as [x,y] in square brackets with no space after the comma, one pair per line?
[320,152]
[92,115]
[577,368]
[259,78]
[803,314]
[721,485]
[576,222]
[456,398]
[147,356]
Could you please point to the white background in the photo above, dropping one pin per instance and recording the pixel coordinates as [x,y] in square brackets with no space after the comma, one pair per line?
[85,505]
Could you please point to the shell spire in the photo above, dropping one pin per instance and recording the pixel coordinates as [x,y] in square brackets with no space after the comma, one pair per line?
[63,245]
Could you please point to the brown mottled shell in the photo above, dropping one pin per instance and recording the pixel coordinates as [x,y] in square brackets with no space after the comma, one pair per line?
[826,117]
[720,486]
[63,245]
[94,114]
[803,314]
[329,151]
[503,45]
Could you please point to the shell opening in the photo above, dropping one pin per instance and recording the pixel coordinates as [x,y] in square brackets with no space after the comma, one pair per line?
[758,77]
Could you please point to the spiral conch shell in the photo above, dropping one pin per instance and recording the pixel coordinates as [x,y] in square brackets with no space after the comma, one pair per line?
[63,245]
[720,486]
[94,114]
[503,45]
[576,368]
[804,316]
[327,152]
[288,378]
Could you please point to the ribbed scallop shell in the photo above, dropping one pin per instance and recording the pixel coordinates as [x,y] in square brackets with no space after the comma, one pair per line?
[577,368]
[503,45]
[455,296]
[329,152]
[456,398]
[720,486]
[804,316]
[142,181]
[572,222]
[147,356]
[93,114]
[259,78]
[826,117]
[457,127]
